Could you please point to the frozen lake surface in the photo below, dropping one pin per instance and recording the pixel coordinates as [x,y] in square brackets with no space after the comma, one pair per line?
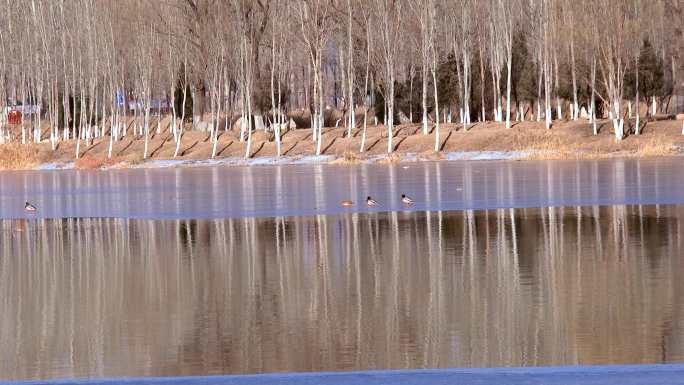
[284,190]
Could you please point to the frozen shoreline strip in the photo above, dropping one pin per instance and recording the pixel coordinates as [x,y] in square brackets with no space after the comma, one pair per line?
[592,375]
[308,159]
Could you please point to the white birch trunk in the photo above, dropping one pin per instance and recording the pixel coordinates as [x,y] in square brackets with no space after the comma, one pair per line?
[434,81]
[575,109]
[509,63]
[183,103]
[365,89]
[637,128]
[350,76]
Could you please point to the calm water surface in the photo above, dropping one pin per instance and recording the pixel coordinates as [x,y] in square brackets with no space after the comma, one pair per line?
[502,287]
[222,192]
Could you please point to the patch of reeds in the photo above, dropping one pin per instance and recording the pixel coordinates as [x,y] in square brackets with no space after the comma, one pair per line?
[431,155]
[88,162]
[655,147]
[17,156]
[348,157]
[392,158]
[547,145]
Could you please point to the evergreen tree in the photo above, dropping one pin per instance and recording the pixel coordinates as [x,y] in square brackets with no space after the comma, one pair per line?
[448,87]
[178,98]
[524,72]
[651,74]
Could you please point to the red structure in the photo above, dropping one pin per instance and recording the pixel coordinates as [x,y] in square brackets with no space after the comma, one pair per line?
[14,117]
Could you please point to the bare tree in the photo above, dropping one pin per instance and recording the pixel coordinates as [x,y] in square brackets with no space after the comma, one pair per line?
[366,97]
[315,25]
[612,58]
[422,9]
[78,69]
[388,14]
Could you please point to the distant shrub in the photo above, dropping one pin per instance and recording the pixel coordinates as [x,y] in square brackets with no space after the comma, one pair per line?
[17,156]
[88,162]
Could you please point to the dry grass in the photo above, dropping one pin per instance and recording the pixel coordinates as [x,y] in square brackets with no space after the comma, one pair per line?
[547,145]
[431,155]
[526,140]
[392,158]
[348,157]
[17,156]
[656,147]
[566,140]
[554,150]
[561,155]
[90,162]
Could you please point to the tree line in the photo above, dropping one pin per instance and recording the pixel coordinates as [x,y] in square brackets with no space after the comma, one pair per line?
[84,65]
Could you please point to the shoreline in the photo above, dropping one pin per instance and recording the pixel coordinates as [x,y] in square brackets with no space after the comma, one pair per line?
[295,160]
[481,142]
[465,156]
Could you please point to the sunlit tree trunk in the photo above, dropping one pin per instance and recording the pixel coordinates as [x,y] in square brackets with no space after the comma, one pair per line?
[351,72]
[183,103]
[365,87]
[575,110]
[636,70]
[592,113]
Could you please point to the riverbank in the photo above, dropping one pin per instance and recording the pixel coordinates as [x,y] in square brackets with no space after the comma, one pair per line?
[482,141]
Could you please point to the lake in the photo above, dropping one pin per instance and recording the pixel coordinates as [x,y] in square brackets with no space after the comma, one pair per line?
[123,274]
[230,192]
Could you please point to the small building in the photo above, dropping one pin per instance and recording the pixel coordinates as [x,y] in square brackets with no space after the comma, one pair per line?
[15,114]
[14,117]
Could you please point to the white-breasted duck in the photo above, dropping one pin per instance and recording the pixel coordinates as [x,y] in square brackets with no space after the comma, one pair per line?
[406,199]
[30,208]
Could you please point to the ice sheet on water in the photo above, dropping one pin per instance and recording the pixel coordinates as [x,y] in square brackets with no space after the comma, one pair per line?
[267,161]
[317,189]
[234,161]
[313,159]
[171,163]
[486,155]
[301,160]
[55,166]
[160,164]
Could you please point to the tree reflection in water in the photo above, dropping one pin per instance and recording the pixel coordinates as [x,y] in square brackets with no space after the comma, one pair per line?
[551,286]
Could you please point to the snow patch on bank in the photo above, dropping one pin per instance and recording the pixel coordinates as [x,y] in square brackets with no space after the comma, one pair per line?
[314,159]
[260,161]
[54,166]
[487,155]
[300,160]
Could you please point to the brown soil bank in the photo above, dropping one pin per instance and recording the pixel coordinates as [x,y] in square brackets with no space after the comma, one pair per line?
[564,140]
